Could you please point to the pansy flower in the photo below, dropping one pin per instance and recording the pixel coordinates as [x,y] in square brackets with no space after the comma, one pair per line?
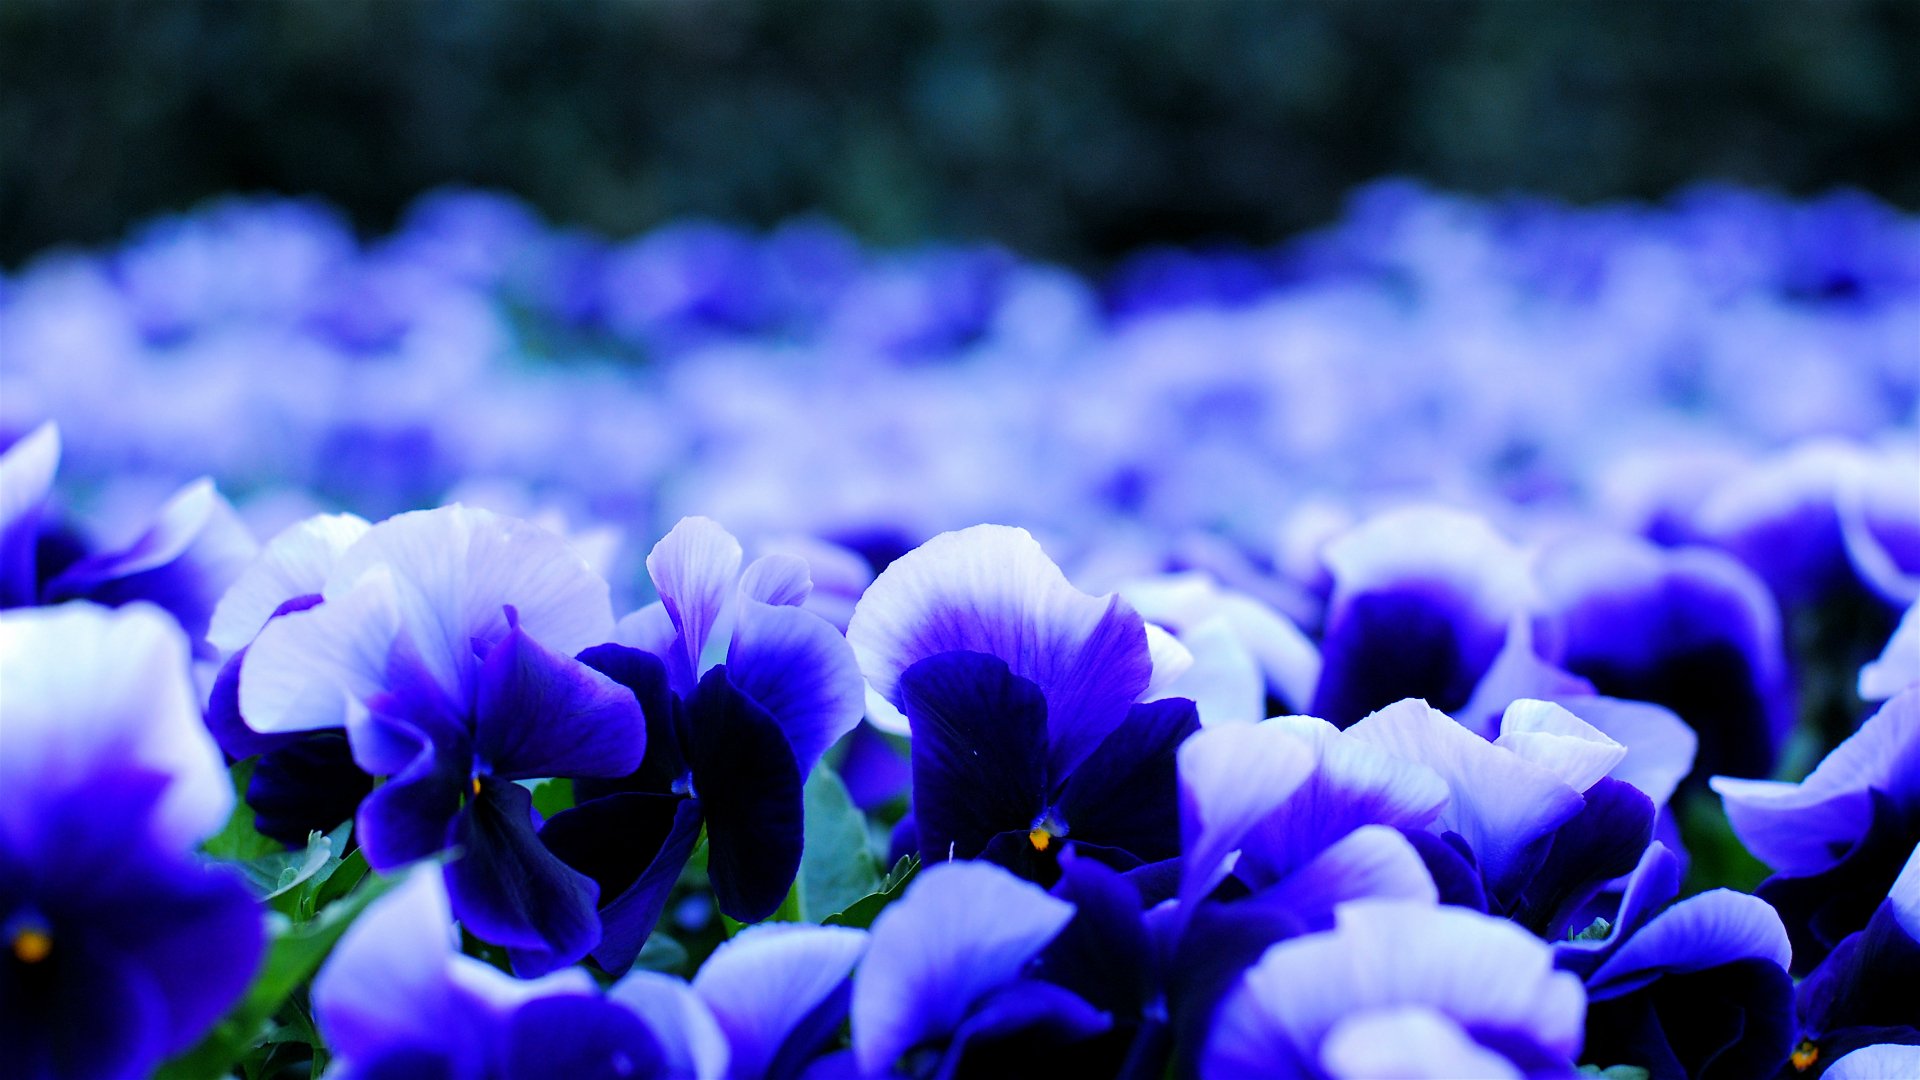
[781,993]
[182,562]
[1021,693]
[947,988]
[731,737]
[396,998]
[443,645]
[1401,988]
[1687,628]
[1865,993]
[1695,989]
[118,946]
[1421,605]
[1837,839]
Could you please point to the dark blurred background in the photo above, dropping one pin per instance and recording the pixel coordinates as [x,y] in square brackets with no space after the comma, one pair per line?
[1073,131]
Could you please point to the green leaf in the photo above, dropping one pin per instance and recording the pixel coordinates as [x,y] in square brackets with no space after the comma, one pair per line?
[788,911]
[662,953]
[238,840]
[294,953]
[863,911]
[836,863]
[1597,930]
[1616,1072]
[551,797]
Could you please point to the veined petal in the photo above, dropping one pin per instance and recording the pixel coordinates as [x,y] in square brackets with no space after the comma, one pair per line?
[798,668]
[781,578]
[991,589]
[1502,804]
[295,562]
[962,930]
[315,669]
[695,567]
[749,787]
[762,984]
[507,888]
[1232,778]
[1660,745]
[1560,742]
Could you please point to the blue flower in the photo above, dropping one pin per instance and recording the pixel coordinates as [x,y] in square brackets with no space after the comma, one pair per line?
[1021,694]
[442,647]
[1864,993]
[397,999]
[781,994]
[1836,840]
[194,548]
[1698,989]
[728,745]
[118,946]
[1400,988]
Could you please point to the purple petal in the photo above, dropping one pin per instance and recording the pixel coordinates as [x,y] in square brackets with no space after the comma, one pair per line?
[1560,742]
[634,847]
[762,984]
[979,749]
[386,981]
[991,589]
[1502,804]
[962,930]
[1700,932]
[1898,666]
[1126,794]
[310,785]
[26,479]
[1882,1061]
[541,713]
[749,787]
[1805,828]
[510,890]
[691,1042]
[1660,745]
[1232,778]
[1371,862]
[1517,672]
[798,668]
[780,579]
[579,1035]
[695,567]
[1411,1043]
[1604,841]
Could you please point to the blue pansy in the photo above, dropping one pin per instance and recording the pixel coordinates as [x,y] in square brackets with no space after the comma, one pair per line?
[193,549]
[1687,628]
[397,999]
[730,739]
[947,988]
[1837,839]
[1698,989]
[118,945]
[781,993]
[1021,693]
[443,647]
[1865,992]
[1401,988]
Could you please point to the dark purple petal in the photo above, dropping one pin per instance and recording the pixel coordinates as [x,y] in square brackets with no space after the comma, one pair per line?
[1126,794]
[1025,1027]
[578,1035]
[1723,1023]
[236,739]
[633,846]
[541,713]
[979,749]
[510,890]
[409,816]
[309,786]
[1104,955]
[749,787]
[1451,865]
[799,669]
[1420,639]
[1602,842]
[1821,909]
[646,675]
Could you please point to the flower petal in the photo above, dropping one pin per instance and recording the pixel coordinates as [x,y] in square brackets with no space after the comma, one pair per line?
[695,567]
[1411,1043]
[991,589]
[541,713]
[634,846]
[1126,794]
[26,479]
[691,1041]
[295,562]
[798,668]
[508,889]
[781,579]
[1232,778]
[978,752]
[749,787]
[1560,742]
[762,984]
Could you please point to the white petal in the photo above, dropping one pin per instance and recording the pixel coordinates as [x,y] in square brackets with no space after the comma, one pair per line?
[294,563]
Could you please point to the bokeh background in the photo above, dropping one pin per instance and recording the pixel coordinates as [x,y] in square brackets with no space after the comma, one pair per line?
[1071,132]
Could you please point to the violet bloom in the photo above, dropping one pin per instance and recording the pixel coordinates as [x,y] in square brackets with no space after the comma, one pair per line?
[1401,988]
[1865,992]
[443,646]
[194,549]
[1422,602]
[1021,692]
[1688,628]
[304,781]
[946,989]
[781,993]
[397,999]
[729,744]
[121,946]
[1836,840]
[1692,991]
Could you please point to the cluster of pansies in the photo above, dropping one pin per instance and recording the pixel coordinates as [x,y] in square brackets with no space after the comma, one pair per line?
[1419,724]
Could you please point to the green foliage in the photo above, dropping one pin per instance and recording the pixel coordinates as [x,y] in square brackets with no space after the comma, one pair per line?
[863,911]
[1616,1072]
[836,865]
[238,840]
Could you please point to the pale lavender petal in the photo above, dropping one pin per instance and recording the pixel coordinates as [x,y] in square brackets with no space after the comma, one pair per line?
[1804,828]
[1411,1043]
[1517,672]
[696,568]
[88,689]
[1231,778]
[961,930]
[779,578]
[1660,745]
[294,563]
[991,589]
[761,984]
[1882,1061]
[690,1038]
[26,479]
[1371,862]
[1898,666]
[1560,742]
[314,669]
[1714,928]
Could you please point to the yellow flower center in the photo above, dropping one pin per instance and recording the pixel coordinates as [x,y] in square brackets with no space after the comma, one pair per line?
[32,946]
[1805,1055]
[1039,838]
